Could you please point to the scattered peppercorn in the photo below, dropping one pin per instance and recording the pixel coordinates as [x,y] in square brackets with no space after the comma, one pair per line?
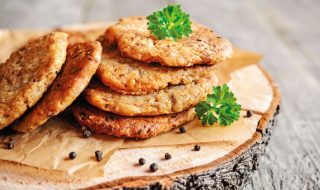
[278,109]
[98,155]
[86,133]
[11,143]
[167,156]
[72,155]
[197,147]
[153,167]
[142,161]
[182,129]
[249,113]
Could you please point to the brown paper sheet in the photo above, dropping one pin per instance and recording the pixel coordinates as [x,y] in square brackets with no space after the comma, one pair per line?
[240,130]
[49,146]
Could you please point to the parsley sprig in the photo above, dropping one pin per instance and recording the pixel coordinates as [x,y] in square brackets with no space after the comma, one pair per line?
[170,22]
[220,106]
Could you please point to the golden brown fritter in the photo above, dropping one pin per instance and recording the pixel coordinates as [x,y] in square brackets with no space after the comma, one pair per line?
[166,101]
[134,40]
[129,76]
[131,127]
[82,62]
[28,73]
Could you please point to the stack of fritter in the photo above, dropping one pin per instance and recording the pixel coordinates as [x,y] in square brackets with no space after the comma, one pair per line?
[145,86]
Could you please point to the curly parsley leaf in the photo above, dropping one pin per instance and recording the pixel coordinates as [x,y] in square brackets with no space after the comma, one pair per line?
[170,22]
[221,106]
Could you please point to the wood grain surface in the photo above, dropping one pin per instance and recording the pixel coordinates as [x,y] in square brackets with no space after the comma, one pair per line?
[286,32]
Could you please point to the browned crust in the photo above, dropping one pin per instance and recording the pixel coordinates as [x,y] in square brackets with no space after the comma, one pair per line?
[131,127]
[134,40]
[166,101]
[28,73]
[129,76]
[82,62]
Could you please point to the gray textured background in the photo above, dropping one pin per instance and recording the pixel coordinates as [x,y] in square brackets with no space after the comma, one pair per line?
[286,32]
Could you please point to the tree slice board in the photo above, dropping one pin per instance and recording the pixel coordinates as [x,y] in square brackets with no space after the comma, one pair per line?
[219,165]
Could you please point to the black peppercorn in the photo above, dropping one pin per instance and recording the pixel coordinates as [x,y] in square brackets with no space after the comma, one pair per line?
[86,133]
[11,143]
[197,147]
[182,129]
[153,167]
[142,161]
[249,113]
[72,155]
[278,109]
[98,155]
[167,156]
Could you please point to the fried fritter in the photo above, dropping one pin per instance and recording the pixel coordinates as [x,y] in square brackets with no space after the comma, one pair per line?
[134,40]
[28,73]
[131,127]
[82,62]
[129,76]
[166,101]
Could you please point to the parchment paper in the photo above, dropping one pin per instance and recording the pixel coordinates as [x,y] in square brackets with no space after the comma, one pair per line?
[240,130]
[49,146]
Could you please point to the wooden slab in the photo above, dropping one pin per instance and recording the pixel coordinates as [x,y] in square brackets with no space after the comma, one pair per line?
[219,164]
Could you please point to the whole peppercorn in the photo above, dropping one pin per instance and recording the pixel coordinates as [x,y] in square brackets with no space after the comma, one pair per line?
[72,155]
[197,147]
[278,109]
[153,167]
[249,113]
[167,156]
[86,133]
[142,161]
[11,143]
[98,155]
[182,129]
